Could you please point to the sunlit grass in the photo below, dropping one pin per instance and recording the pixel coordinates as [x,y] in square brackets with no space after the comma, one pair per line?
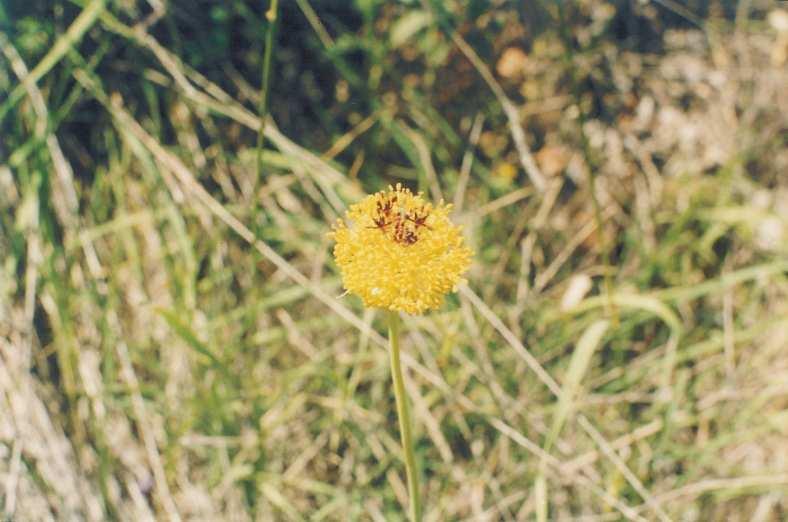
[173,339]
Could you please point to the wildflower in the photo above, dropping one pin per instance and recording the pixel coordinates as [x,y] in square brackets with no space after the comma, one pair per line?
[399,252]
[506,172]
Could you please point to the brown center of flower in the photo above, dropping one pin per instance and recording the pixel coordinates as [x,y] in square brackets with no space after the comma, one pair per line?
[402,225]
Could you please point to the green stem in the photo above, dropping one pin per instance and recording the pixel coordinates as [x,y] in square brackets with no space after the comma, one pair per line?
[403,413]
[272,17]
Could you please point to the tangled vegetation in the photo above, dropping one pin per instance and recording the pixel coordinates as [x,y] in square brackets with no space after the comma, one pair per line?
[174,342]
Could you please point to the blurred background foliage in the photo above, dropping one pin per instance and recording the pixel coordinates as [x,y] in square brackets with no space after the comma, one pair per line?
[620,170]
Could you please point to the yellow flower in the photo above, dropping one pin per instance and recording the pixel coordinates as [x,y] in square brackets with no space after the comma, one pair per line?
[399,252]
[505,171]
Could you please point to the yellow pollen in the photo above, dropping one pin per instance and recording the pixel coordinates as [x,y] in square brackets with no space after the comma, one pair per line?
[399,252]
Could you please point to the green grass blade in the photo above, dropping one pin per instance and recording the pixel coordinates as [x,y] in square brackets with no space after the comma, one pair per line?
[74,34]
[190,337]
[578,367]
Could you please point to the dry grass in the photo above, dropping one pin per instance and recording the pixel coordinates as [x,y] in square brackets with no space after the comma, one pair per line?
[172,340]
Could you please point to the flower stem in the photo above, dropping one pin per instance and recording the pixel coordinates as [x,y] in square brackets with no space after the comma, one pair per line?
[403,413]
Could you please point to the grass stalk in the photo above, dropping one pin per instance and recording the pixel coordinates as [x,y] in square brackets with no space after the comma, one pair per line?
[403,414]
[272,15]
[64,43]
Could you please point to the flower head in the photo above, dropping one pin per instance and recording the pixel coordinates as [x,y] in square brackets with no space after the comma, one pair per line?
[399,252]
